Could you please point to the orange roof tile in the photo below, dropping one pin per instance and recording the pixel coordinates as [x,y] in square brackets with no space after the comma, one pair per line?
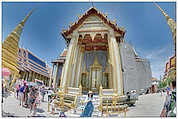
[64,53]
[154,79]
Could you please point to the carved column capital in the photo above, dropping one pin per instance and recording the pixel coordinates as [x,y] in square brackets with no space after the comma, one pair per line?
[111,33]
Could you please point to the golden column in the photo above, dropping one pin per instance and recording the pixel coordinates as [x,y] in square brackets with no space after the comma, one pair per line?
[56,74]
[115,62]
[71,61]
[10,48]
[77,67]
[74,66]
[79,73]
[67,66]
[71,65]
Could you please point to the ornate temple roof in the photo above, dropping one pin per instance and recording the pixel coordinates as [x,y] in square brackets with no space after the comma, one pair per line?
[92,11]
[61,58]
[64,53]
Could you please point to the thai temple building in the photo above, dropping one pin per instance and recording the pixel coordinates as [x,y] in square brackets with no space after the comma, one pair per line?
[31,67]
[170,69]
[10,48]
[97,57]
[57,70]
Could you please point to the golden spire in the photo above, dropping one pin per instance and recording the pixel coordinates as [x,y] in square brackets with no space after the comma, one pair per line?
[26,18]
[167,17]
[10,48]
[171,24]
[19,28]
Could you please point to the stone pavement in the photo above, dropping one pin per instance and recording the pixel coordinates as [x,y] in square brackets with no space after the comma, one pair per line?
[149,105]
[13,109]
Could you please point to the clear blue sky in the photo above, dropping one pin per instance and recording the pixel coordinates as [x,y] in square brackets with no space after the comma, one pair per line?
[146,27]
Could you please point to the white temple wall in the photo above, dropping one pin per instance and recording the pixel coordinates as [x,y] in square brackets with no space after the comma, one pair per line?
[136,75]
[128,62]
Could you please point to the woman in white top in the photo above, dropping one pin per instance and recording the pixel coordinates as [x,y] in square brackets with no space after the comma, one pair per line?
[89,107]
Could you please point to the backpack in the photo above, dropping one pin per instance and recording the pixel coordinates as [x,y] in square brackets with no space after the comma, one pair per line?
[22,88]
[27,89]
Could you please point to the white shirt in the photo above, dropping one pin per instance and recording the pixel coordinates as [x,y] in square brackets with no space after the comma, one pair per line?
[50,92]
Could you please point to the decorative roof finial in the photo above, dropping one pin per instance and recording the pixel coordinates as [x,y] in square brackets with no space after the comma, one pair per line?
[78,16]
[115,21]
[92,4]
[167,17]
[106,14]
[63,29]
[70,24]
[29,14]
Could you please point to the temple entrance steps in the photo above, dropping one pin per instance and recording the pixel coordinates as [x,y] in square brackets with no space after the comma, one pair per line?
[96,103]
[108,108]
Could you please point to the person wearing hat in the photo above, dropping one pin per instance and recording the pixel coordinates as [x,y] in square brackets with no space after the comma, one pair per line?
[89,107]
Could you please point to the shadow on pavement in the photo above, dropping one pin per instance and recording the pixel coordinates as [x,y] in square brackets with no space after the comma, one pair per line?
[6,94]
[5,114]
[44,101]
[38,115]
[40,110]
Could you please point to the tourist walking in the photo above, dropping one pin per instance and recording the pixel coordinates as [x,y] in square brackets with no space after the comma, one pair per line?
[33,100]
[17,90]
[36,103]
[21,94]
[42,90]
[49,92]
[26,92]
[169,109]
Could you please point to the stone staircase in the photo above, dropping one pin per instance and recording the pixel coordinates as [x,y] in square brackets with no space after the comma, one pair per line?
[96,102]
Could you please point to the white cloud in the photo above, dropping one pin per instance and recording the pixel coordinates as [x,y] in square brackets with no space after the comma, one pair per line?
[158,59]
[155,54]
